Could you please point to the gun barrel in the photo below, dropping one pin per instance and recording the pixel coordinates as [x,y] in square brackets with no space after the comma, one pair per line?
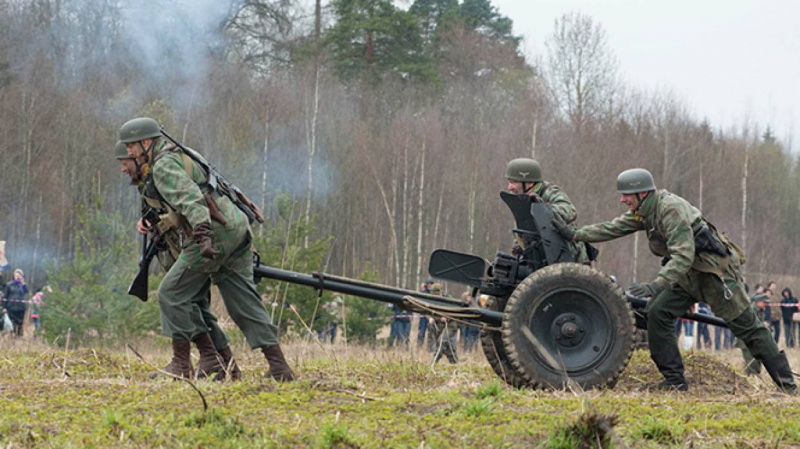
[376,292]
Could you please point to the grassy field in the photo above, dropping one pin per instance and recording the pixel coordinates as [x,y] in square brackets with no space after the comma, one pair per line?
[366,397]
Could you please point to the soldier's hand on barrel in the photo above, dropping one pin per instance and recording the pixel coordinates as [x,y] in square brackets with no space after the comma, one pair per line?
[563,228]
[517,250]
[202,236]
[142,226]
[644,290]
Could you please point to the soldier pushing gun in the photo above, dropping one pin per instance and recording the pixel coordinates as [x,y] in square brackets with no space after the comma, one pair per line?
[700,264]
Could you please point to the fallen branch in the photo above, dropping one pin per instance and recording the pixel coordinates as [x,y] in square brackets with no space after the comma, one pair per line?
[65,372]
[202,397]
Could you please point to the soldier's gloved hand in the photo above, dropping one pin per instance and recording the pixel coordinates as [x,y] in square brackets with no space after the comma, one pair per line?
[202,236]
[517,250]
[644,290]
[563,228]
[535,198]
[142,226]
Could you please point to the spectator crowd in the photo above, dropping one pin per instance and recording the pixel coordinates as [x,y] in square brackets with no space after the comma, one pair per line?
[18,306]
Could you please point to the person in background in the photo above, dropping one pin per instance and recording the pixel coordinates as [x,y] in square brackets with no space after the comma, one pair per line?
[423,320]
[796,325]
[400,330]
[443,334]
[688,328]
[788,309]
[469,333]
[36,306]
[4,265]
[774,310]
[768,309]
[703,334]
[335,309]
[14,300]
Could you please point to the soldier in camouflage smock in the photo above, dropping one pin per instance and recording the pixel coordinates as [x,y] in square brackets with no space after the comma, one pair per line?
[525,177]
[167,257]
[215,248]
[700,264]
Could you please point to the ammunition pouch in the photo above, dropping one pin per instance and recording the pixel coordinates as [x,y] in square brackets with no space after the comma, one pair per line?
[704,241]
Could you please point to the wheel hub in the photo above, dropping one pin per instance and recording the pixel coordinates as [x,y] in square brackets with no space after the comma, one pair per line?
[569,330]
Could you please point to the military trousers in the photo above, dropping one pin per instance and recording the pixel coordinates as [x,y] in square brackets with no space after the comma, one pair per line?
[218,336]
[673,303]
[184,291]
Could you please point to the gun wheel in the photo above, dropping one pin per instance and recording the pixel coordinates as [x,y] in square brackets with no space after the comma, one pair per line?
[568,323]
[493,349]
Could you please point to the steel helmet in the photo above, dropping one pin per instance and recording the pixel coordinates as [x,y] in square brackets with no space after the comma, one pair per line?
[635,180]
[139,129]
[524,170]
[121,151]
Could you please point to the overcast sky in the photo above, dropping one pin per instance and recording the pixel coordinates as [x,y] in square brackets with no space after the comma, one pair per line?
[728,60]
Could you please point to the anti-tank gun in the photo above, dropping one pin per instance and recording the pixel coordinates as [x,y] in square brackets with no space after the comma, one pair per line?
[548,322]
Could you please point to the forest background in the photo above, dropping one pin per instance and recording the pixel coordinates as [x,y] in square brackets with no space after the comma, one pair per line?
[370,132]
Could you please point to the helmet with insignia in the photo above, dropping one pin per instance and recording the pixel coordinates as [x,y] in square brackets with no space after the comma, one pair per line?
[139,129]
[635,180]
[524,170]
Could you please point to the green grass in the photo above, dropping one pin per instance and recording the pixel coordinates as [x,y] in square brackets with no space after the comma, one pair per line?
[361,397]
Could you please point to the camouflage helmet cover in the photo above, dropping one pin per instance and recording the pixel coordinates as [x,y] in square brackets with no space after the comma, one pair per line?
[635,180]
[436,288]
[121,151]
[139,129]
[524,170]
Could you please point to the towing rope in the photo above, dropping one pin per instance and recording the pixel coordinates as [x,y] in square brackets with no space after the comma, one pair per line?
[455,313]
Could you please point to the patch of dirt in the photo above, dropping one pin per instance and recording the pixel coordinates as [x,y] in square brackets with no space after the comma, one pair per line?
[705,374]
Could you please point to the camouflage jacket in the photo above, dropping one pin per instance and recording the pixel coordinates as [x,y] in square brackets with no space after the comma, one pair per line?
[170,184]
[670,222]
[560,204]
[558,201]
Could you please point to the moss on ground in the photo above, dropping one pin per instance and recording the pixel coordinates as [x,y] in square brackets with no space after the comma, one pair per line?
[363,397]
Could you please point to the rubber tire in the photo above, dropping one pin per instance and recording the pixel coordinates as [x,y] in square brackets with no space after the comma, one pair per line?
[607,297]
[493,349]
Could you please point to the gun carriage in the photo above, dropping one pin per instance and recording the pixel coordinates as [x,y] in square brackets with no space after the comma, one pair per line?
[549,322]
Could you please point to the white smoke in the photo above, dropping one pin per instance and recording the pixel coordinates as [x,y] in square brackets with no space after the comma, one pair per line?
[171,41]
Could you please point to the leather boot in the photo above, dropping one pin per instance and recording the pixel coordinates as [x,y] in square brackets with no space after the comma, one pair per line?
[670,365]
[230,364]
[181,364]
[278,368]
[210,362]
[781,373]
